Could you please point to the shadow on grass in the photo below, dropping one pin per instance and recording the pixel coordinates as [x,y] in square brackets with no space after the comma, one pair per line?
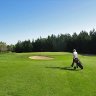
[65,68]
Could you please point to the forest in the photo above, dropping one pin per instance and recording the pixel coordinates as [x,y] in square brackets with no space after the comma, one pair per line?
[84,42]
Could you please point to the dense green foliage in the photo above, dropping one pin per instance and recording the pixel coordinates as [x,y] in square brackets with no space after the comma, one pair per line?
[3,47]
[83,42]
[21,76]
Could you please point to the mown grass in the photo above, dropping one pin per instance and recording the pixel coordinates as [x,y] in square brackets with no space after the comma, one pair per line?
[21,76]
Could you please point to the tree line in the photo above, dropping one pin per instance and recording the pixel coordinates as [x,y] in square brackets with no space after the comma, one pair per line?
[5,48]
[83,42]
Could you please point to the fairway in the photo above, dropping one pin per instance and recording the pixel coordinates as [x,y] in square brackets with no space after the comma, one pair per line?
[22,76]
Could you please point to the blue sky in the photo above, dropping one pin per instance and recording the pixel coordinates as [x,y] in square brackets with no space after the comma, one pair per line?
[30,19]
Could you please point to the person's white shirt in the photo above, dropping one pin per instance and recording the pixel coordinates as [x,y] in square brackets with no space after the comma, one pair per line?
[75,54]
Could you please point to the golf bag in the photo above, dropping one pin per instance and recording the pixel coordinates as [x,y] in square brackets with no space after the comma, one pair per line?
[78,63]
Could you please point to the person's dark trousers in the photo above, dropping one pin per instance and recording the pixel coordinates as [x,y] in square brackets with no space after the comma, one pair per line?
[75,61]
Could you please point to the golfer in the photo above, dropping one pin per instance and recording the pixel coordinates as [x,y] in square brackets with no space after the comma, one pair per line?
[75,57]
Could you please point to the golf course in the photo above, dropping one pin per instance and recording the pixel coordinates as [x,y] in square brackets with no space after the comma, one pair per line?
[22,76]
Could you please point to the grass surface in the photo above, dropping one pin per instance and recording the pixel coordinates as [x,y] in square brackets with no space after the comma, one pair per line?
[21,76]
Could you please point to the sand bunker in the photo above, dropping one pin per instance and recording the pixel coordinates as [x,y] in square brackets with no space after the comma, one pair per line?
[40,58]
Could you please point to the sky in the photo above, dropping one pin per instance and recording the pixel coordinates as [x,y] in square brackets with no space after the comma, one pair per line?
[30,19]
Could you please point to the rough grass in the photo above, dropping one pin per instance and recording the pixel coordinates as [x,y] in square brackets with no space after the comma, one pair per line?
[21,76]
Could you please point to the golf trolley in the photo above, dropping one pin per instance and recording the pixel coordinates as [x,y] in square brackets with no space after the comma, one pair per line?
[77,63]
